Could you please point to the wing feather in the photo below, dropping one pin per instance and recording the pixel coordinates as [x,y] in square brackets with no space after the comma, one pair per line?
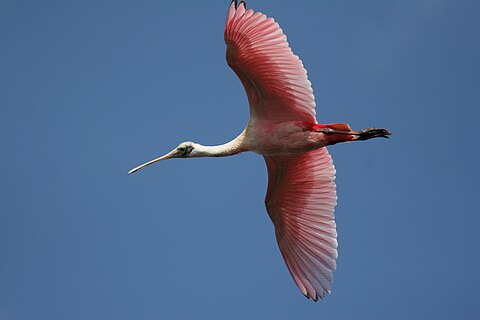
[274,78]
[301,197]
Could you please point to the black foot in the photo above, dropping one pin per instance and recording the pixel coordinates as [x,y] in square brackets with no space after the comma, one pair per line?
[371,133]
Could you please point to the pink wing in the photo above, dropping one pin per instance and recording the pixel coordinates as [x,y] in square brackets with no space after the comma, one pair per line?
[274,78]
[300,200]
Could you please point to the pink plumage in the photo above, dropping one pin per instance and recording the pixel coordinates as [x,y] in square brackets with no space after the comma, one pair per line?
[300,200]
[274,78]
[301,194]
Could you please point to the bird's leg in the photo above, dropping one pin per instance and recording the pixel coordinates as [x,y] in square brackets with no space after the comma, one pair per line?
[335,133]
[371,133]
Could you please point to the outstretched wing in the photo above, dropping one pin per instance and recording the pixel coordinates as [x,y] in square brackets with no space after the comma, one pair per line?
[274,78]
[300,200]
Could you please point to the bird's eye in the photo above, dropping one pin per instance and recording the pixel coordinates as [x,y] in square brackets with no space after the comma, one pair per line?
[184,150]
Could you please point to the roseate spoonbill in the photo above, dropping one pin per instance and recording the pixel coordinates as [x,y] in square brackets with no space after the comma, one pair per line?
[301,194]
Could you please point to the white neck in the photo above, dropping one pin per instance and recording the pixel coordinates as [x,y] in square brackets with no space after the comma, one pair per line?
[227,149]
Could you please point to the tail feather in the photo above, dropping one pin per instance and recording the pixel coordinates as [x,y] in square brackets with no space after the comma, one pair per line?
[334,126]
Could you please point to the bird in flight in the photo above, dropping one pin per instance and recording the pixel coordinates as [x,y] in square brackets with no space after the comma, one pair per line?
[301,193]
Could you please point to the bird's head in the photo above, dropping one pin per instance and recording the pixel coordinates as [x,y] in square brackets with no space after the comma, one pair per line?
[184,150]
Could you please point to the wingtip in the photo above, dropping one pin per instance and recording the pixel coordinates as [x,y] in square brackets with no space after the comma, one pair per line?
[236,4]
[317,296]
[314,298]
[231,12]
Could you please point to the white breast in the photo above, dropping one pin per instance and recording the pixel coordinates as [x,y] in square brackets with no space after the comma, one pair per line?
[271,138]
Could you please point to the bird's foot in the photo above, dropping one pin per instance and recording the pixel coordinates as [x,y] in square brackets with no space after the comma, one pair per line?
[371,133]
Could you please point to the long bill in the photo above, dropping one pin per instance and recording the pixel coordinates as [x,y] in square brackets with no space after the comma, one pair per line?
[171,154]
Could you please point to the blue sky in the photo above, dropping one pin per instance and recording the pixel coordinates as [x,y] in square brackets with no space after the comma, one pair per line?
[90,89]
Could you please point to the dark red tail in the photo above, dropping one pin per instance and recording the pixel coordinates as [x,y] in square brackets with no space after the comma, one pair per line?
[334,126]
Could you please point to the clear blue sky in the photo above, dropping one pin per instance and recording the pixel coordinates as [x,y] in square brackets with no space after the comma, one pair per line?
[90,89]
